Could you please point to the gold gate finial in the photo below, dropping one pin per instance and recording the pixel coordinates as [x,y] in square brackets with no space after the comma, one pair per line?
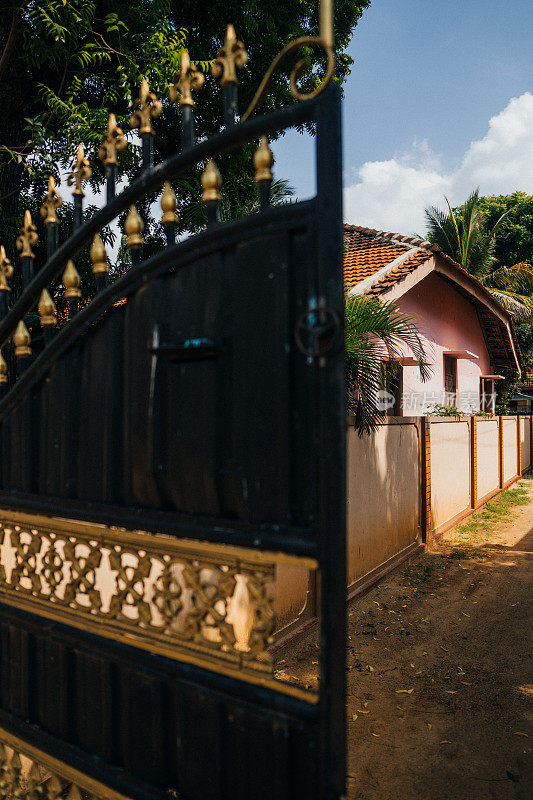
[211,183]
[113,140]
[99,256]
[263,162]
[47,309]
[81,171]
[71,282]
[22,340]
[28,237]
[231,55]
[145,108]
[134,228]
[168,205]
[185,81]
[6,270]
[52,202]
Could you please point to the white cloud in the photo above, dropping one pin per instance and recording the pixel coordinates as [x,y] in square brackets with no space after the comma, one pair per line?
[391,195]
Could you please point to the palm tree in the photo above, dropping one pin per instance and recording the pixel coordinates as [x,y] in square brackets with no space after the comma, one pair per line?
[374,331]
[462,235]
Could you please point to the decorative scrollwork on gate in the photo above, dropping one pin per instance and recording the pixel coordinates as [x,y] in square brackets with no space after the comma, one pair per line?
[29,774]
[168,595]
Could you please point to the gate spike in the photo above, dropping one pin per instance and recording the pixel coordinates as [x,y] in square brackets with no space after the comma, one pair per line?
[134,228]
[81,171]
[99,256]
[22,340]
[185,81]
[51,203]
[231,55]
[71,282]
[112,140]
[211,183]
[168,205]
[263,162]
[6,272]
[100,265]
[47,309]
[3,373]
[146,108]
[27,238]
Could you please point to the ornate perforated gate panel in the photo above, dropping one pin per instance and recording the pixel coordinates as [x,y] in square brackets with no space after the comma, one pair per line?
[171,445]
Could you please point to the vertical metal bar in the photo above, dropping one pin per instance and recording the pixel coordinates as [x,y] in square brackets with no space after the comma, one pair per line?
[231,109]
[111,180]
[147,150]
[187,126]
[51,240]
[326,22]
[27,270]
[332,453]
[78,211]
[3,303]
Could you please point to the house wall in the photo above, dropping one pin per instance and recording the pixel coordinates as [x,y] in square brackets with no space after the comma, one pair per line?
[447,321]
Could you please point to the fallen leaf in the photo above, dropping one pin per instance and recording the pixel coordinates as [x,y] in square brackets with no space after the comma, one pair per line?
[444,648]
[465,615]
[413,666]
[424,653]
[365,704]
[369,668]
[354,717]
[429,725]
[519,733]
[404,691]
[445,741]
[419,672]
[377,735]
[465,683]
[450,691]
[362,711]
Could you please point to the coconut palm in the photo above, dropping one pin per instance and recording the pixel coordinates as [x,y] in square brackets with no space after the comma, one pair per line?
[462,235]
[376,331]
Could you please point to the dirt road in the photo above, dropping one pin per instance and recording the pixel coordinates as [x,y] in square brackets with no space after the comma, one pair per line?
[440,677]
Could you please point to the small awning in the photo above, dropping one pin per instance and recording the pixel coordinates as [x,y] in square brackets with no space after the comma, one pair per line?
[461,354]
[493,377]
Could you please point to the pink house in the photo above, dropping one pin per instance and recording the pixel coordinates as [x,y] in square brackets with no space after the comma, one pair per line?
[467,334]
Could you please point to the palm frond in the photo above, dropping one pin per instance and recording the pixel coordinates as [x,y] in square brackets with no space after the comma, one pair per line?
[376,331]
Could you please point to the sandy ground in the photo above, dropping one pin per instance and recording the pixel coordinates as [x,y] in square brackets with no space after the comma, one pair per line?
[440,677]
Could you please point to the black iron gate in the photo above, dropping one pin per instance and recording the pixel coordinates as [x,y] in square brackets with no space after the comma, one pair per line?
[171,445]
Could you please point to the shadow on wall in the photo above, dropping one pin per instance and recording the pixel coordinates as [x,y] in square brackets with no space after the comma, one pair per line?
[383,493]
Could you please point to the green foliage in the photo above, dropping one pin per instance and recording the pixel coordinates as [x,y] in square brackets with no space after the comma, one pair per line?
[514,240]
[470,237]
[375,330]
[443,410]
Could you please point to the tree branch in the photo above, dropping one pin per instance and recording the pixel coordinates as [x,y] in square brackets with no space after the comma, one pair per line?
[8,49]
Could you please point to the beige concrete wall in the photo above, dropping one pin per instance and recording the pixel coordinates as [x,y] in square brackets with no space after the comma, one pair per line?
[450,469]
[510,461]
[525,440]
[383,495]
[488,472]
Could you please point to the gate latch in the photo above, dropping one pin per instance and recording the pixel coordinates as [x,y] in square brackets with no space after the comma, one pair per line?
[188,350]
[316,330]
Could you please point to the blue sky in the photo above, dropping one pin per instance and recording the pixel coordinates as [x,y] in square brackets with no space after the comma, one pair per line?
[429,109]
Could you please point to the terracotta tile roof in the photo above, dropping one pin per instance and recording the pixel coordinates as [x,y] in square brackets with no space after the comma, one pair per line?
[368,250]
